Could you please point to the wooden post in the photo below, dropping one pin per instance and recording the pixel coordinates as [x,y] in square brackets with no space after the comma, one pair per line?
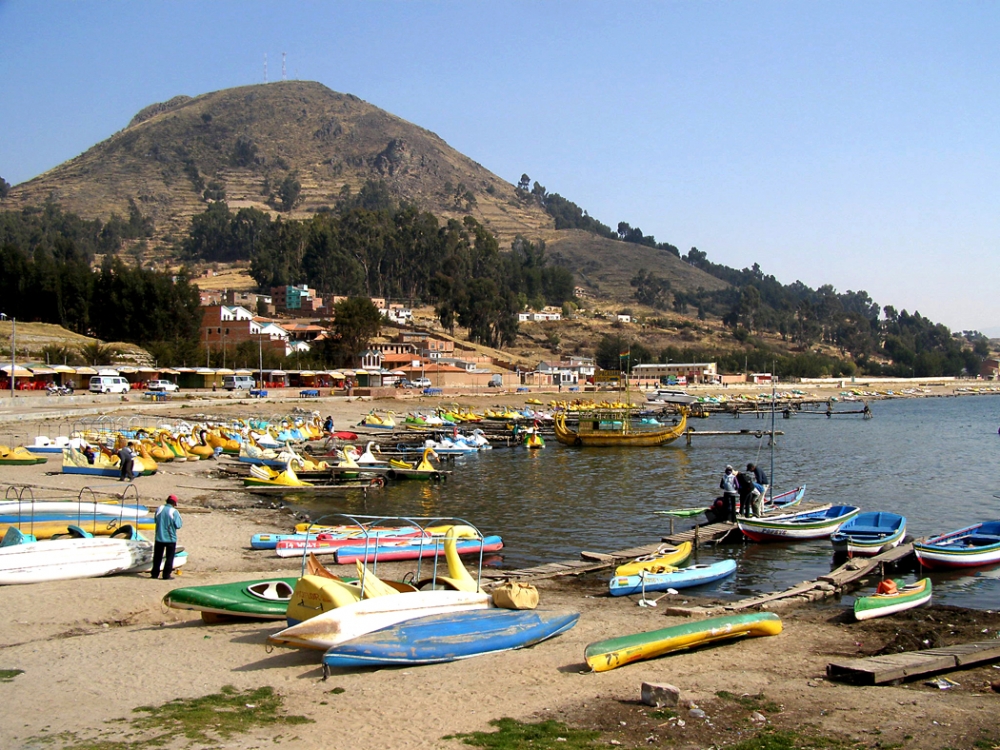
[696,536]
[671,525]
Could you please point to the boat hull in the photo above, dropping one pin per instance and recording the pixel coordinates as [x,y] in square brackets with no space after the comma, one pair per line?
[869,533]
[880,605]
[64,559]
[818,524]
[235,599]
[658,561]
[409,550]
[618,438]
[449,637]
[602,656]
[349,621]
[970,547]
[694,575]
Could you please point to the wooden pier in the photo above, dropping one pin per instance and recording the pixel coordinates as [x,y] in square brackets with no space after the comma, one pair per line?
[893,668]
[714,433]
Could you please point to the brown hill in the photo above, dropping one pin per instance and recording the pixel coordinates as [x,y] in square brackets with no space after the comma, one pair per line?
[249,139]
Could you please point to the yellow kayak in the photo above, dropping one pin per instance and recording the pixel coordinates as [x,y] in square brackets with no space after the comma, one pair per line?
[660,561]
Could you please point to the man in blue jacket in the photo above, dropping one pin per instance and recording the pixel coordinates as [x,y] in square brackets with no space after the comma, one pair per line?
[168,520]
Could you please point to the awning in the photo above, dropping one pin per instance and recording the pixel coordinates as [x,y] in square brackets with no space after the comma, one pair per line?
[19,372]
[307,374]
[336,374]
[224,371]
[279,373]
[349,373]
[128,369]
[43,371]
[86,371]
[149,369]
[244,372]
[170,372]
[65,369]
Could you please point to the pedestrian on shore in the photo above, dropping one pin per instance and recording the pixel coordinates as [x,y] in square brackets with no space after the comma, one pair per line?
[126,461]
[747,491]
[168,521]
[730,492]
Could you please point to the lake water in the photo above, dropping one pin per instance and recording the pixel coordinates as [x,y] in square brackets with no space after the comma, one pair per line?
[934,460]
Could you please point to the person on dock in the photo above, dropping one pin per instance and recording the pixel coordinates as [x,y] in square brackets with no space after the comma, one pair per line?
[126,463]
[747,489]
[168,520]
[760,482]
[730,492]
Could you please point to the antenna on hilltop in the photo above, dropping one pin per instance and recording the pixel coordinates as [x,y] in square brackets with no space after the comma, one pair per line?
[283,78]
[265,67]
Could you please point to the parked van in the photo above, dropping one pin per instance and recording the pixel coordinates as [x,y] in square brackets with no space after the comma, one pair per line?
[237,382]
[108,384]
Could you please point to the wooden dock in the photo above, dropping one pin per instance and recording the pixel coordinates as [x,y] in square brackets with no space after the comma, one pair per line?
[892,668]
[690,432]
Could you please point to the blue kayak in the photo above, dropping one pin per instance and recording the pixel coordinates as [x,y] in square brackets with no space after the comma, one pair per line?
[693,575]
[451,636]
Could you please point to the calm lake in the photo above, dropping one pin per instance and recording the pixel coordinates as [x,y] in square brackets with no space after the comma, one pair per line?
[934,460]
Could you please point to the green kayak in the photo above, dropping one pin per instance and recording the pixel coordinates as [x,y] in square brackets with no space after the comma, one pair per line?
[264,599]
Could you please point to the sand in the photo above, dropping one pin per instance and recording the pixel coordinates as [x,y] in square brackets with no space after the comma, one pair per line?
[93,650]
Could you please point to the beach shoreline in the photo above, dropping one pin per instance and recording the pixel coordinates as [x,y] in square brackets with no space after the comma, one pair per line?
[93,650]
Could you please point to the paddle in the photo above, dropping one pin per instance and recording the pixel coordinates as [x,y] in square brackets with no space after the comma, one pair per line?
[652,602]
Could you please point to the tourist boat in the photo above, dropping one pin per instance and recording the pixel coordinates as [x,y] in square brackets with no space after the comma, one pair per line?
[671,578]
[611,427]
[869,533]
[889,602]
[19,456]
[371,419]
[534,440]
[667,556]
[451,636]
[970,547]
[670,396]
[422,470]
[105,464]
[263,476]
[265,599]
[602,656]
[791,527]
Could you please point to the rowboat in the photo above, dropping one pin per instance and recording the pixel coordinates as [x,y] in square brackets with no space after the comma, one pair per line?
[667,556]
[970,547]
[882,604]
[869,533]
[451,636]
[265,599]
[611,428]
[671,578]
[813,524]
[602,656]
[412,549]
[368,615]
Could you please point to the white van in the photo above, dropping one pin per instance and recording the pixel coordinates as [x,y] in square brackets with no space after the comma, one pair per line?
[108,384]
[238,382]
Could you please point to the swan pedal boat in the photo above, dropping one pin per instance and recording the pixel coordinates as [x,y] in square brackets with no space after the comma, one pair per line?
[906,597]
[969,547]
[265,599]
[19,456]
[602,656]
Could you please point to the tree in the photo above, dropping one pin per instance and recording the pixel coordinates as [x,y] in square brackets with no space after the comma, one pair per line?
[4,188]
[356,321]
[289,192]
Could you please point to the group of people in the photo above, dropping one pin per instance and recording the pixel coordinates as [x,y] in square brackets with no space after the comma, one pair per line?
[743,492]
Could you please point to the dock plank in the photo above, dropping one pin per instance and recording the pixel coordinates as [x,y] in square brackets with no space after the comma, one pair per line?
[879,670]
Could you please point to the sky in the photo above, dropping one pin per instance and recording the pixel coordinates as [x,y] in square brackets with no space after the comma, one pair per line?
[854,144]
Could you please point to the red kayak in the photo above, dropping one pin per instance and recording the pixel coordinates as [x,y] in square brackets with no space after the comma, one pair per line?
[412,549]
[329,543]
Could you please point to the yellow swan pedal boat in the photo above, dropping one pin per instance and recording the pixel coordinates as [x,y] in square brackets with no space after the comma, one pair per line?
[19,456]
[263,476]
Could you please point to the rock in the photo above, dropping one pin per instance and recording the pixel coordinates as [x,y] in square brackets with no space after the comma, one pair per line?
[995,686]
[757,717]
[660,695]
[697,713]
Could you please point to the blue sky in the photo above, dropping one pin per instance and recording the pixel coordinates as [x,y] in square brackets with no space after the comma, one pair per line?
[845,143]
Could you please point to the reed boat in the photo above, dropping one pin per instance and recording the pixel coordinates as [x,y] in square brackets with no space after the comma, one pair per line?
[611,428]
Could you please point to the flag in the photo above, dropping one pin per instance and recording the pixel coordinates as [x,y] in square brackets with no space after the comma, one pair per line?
[625,354]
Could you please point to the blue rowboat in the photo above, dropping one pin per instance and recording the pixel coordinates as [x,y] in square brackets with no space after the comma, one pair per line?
[451,636]
[869,533]
[693,575]
[970,547]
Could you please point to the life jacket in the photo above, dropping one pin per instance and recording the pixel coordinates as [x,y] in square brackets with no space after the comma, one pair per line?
[888,586]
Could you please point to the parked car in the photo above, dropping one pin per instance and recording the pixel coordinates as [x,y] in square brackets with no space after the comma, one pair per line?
[162,385]
[108,384]
[422,383]
[404,383]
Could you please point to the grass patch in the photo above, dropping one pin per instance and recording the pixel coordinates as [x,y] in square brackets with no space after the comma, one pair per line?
[8,675]
[773,739]
[205,720]
[515,735]
[751,702]
[663,713]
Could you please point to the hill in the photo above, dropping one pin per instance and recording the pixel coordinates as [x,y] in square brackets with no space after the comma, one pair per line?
[245,142]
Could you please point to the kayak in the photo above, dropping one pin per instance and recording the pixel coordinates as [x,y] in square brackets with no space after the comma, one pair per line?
[412,549]
[882,604]
[668,556]
[602,656]
[451,636]
[672,578]
[330,543]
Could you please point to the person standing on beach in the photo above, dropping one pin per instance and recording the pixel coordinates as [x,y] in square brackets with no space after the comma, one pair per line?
[125,463]
[168,520]
[730,492]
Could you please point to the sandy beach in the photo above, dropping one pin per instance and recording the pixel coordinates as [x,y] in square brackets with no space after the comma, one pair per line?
[91,651]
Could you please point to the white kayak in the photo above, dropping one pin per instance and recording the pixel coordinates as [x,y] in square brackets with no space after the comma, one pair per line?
[71,508]
[62,559]
[368,615]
